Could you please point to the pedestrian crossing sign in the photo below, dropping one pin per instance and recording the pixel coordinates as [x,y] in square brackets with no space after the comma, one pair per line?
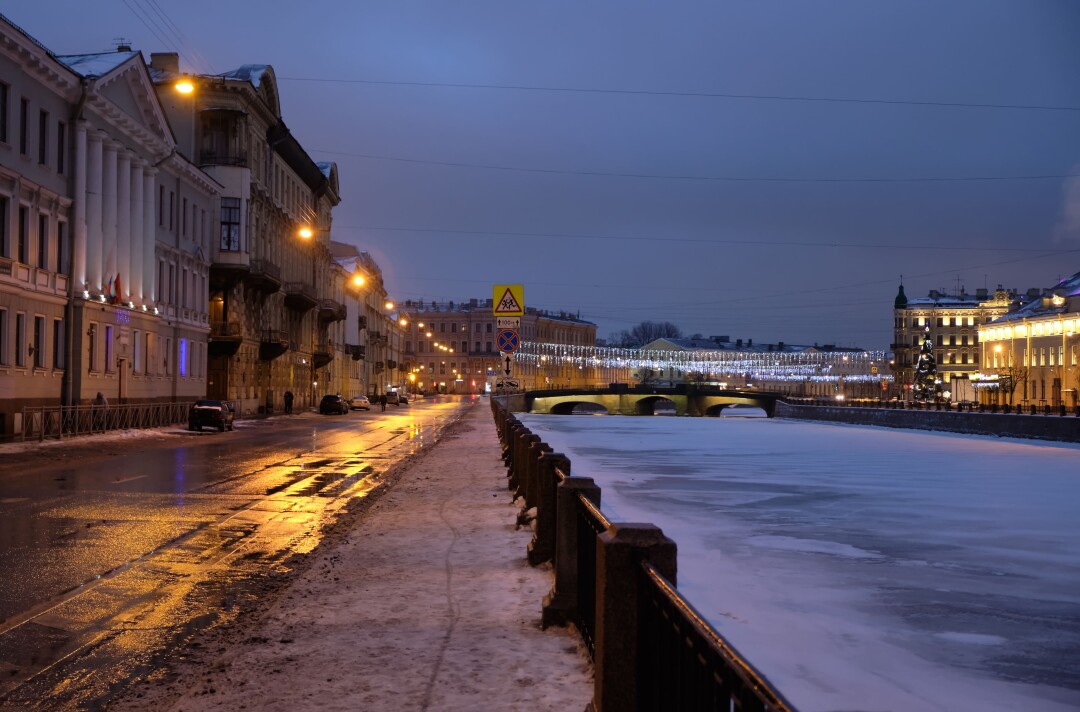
[508,300]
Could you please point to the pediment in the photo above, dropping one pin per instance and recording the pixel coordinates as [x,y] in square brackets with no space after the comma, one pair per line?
[129,90]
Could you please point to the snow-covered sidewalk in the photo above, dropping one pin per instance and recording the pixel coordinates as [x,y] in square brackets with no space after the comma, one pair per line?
[428,603]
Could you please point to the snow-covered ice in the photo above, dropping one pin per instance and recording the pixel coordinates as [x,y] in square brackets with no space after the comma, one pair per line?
[860,568]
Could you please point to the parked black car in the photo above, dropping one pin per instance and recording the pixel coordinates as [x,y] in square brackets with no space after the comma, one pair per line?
[214,413]
[335,404]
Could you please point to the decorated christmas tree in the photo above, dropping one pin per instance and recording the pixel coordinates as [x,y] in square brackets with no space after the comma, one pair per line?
[926,386]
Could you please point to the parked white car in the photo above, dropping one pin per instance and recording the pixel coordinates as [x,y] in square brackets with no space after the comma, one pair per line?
[359,403]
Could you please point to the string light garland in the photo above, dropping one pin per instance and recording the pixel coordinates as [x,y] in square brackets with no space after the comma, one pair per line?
[829,366]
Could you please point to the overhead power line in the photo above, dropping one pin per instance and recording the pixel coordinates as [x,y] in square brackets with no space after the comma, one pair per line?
[693,94]
[769,243]
[732,179]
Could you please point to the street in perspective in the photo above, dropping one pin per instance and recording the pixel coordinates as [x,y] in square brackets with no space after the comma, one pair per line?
[123,547]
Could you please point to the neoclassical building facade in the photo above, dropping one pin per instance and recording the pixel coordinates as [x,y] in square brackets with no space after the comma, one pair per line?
[106,233]
[1030,355]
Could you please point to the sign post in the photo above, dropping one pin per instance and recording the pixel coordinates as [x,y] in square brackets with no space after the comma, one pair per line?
[508,306]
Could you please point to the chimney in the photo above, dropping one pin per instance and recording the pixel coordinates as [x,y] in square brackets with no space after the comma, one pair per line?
[474,303]
[738,343]
[749,343]
[164,61]
[981,293]
[781,346]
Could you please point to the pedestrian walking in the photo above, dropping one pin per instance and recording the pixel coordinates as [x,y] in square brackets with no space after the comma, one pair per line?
[100,410]
[382,401]
[288,401]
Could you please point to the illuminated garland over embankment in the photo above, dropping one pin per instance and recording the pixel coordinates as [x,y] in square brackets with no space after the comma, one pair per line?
[760,365]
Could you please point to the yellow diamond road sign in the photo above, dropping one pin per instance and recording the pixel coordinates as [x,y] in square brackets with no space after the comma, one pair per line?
[508,300]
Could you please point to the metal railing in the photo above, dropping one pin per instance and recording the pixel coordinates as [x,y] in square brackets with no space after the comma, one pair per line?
[65,421]
[671,658]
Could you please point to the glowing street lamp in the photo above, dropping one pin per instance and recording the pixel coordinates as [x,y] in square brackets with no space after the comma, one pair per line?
[184,86]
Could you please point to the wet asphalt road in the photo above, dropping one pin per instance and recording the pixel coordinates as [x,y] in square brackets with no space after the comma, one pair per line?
[111,558]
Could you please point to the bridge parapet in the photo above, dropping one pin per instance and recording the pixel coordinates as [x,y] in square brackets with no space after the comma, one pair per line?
[686,400]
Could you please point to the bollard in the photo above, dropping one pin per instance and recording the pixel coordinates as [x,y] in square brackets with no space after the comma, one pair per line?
[560,605]
[534,448]
[1061,409]
[619,553]
[542,546]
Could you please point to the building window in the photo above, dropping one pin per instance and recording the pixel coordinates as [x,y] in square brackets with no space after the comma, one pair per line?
[63,249]
[5,92]
[172,210]
[43,241]
[464,347]
[3,227]
[488,329]
[183,218]
[43,137]
[442,327]
[20,339]
[61,146]
[161,205]
[92,342]
[39,342]
[477,349]
[477,328]
[3,337]
[136,364]
[108,349]
[24,236]
[24,117]
[230,224]
[453,327]
[183,358]
[487,347]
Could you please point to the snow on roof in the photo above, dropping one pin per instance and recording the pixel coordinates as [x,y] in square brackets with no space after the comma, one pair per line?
[95,65]
[249,73]
[1067,287]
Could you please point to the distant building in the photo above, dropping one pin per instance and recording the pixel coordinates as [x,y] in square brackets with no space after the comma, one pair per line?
[953,322]
[1030,354]
[818,371]
[373,337]
[453,347]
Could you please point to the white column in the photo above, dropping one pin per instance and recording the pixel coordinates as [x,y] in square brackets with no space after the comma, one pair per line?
[149,236]
[123,224]
[108,210]
[138,232]
[93,212]
[78,230]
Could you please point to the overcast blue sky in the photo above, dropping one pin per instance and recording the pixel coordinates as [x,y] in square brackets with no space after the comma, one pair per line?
[621,159]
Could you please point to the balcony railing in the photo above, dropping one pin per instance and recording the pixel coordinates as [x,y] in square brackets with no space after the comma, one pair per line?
[225,330]
[221,158]
[300,296]
[264,276]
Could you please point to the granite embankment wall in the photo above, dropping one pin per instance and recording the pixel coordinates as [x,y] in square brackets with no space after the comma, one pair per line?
[1039,427]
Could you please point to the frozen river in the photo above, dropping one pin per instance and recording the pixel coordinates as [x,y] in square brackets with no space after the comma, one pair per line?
[860,568]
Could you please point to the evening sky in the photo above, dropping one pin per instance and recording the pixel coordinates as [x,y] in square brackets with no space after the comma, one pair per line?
[762,170]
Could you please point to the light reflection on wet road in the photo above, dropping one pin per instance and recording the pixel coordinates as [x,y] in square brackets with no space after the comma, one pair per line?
[104,565]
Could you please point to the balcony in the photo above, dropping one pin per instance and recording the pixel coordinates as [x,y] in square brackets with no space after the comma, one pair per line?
[264,276]
[225,338]
[391,363]
[362,322]
[300,296]
[324,354]
[379,366]
[228,268]
[355,350]
[272,344]
[331,310]
[223,158]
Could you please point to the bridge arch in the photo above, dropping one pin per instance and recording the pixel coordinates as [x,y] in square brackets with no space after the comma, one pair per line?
[568,407]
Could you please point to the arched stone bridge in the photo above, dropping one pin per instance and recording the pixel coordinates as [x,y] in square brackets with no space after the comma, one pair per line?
[642,401]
